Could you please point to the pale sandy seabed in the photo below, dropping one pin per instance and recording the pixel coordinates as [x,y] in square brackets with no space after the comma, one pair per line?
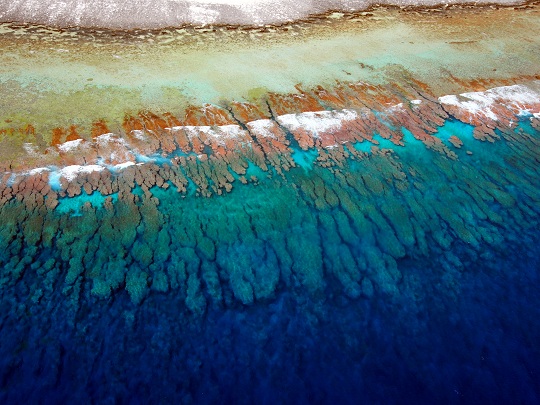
[51,75]
[52,78]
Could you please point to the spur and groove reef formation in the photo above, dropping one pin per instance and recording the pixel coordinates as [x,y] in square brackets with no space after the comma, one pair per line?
[368,234]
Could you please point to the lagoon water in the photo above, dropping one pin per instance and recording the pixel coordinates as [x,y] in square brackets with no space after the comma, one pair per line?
[56,78]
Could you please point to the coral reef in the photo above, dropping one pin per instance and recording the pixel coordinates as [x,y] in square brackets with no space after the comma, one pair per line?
[232,233]
[122,210]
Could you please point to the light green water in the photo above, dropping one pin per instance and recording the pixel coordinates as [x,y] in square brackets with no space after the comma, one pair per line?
[60,79]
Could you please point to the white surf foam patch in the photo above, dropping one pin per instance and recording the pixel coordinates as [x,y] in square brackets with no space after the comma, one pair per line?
[193,131]
[481,102]
[231,131]
[54,180]
[262,127]
[31,149]
[38,170]
[70,145]
[317,122]
[70,173]
[524,98]
[122,166]
[139,134]
[114,148]
[110,137]
[396,107]
[218,133]
[475,104]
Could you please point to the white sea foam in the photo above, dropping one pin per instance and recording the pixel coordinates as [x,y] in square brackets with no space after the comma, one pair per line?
[31,149]
[474,104]
[523,98]
[122,166]
[69,146]
[193,131]
[232,131]
[38,170]
[54,180]
[139,134]
[262,127]
[317,122]
[108,138]
[396,107]
[70,173]
[481,102]
[218,133]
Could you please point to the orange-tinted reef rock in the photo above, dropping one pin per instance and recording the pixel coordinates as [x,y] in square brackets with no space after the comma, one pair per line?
[310,142]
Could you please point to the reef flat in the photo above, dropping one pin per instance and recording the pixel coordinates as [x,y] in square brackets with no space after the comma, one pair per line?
[56,79]
[321,213]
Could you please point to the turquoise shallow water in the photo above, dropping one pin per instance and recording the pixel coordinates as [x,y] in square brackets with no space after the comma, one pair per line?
[73,205]
[401,277]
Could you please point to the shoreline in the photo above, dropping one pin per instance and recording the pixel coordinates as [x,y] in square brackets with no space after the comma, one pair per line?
[329,14]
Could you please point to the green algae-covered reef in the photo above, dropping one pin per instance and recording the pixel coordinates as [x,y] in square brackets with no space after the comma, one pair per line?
[246,205]
[321,166]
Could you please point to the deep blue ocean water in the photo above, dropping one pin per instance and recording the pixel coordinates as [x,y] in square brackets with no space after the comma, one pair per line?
[398,278]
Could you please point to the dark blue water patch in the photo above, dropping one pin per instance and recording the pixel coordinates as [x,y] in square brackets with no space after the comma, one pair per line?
[363,146]
[254,170]
[457,128]
[305,158]
[72,205]
[468,337]
[307,288]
